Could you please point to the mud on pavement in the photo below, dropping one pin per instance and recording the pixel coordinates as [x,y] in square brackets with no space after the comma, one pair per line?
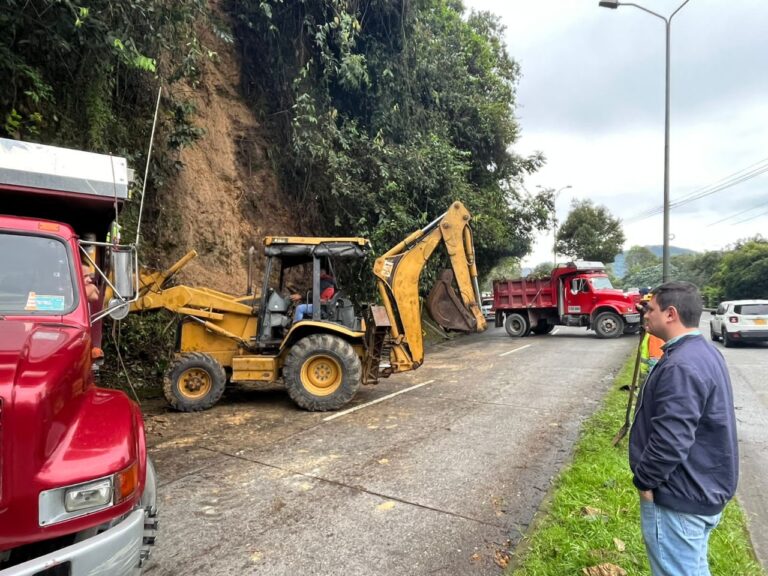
[443,478]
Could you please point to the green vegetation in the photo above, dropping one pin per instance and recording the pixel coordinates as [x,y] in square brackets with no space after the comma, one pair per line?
[385,112]
[593,516]
[84,76]
[590,233]
[741,272]
[381,113]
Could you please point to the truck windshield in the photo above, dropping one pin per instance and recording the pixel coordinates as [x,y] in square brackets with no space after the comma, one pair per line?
[600,283]
[36,275]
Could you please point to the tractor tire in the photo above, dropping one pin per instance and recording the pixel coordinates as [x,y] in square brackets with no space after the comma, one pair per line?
[727,341]
[543,328]
[194,382]
[609,325]
[322,372]
[517,325]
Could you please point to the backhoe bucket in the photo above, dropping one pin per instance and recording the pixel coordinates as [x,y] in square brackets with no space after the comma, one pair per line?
[446,308]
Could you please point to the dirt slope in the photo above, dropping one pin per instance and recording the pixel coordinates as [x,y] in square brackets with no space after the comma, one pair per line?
[227,197]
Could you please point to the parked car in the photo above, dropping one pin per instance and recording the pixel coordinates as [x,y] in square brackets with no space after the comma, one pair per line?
[740,321]
[487,308]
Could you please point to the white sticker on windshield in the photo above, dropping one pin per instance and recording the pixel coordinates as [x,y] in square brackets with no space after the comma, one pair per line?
[44,302]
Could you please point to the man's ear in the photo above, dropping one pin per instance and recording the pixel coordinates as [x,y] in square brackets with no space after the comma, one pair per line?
[671,314]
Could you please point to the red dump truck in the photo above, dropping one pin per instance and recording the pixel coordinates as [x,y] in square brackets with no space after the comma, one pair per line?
[77,491]
[575,294]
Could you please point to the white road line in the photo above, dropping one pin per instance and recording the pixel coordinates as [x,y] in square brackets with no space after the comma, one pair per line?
[372,402]
[515,350]
[555,331]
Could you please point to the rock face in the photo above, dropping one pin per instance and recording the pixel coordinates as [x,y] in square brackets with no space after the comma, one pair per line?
[227,196]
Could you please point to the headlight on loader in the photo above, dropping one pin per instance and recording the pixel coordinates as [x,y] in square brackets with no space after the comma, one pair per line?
[73,501]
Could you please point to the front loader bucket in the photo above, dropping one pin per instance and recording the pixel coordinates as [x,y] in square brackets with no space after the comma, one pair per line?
[446,308]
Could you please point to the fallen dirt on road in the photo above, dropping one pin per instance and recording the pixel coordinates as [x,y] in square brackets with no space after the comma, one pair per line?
[445,478]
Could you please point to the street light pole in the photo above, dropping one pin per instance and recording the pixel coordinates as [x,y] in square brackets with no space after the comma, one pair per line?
[554,225]
[613,4]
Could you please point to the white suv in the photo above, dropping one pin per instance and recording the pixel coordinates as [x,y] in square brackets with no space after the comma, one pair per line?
[740,321]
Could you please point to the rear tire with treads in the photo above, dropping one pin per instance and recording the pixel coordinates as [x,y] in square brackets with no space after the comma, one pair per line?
[322,372]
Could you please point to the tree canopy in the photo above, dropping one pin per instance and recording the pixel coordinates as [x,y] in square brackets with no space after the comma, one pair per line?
[590,233]
[383,112]
[82,76]
[388,111]
[743,271]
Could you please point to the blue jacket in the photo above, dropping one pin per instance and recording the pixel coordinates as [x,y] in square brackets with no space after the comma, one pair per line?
[683,441]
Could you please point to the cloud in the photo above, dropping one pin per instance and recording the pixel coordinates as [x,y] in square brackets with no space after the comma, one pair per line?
[591,97]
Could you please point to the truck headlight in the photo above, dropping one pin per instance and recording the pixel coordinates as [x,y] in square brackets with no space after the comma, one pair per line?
[60,504]
[84,496]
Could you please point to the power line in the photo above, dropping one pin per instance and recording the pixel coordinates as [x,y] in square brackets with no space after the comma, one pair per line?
[739,213]
[751,218]
[738,177]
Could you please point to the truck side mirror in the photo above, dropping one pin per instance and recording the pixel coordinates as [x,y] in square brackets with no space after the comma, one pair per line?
[125,273]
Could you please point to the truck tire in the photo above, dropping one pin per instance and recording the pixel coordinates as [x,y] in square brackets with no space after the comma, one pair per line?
[609,325]
[543,328]
[322,372]
[194,381]
[516,325]
[727,341]
[632,328]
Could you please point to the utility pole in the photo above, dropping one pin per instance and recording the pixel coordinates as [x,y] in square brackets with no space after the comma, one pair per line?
[613,4]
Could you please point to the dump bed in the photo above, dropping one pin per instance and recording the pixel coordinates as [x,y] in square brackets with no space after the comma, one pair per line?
[80,188]
[523,293]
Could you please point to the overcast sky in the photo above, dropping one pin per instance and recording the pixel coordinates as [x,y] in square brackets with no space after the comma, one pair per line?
[591,97]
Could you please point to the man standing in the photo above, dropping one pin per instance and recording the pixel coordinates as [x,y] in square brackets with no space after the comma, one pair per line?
[683,450]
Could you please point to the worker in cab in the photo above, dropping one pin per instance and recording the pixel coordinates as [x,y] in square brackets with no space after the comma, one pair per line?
[327,291]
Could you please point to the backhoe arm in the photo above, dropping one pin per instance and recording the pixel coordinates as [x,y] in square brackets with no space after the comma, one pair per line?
[219,312]
[398,272]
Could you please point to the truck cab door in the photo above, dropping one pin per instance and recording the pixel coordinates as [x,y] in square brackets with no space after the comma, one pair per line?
[579,298]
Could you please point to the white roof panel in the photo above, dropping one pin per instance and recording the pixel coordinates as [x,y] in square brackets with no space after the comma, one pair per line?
[28,165]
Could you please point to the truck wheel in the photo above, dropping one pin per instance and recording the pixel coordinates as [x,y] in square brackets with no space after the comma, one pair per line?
[543,328]
[322,372]
[727,342]
[609,325]
[516,326]
[632,328]
[194,382]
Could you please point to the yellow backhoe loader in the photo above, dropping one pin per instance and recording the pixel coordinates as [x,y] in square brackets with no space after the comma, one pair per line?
[322,359]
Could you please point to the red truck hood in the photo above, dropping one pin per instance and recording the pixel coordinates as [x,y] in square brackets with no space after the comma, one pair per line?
[628,296]
[24,341]
[56,427]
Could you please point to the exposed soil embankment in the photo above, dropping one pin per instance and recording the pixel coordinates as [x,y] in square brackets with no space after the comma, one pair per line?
[227,196]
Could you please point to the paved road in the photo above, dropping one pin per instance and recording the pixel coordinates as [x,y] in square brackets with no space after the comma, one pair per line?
[748,366]
[441,479]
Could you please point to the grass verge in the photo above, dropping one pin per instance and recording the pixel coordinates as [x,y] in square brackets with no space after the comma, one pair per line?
[592,516]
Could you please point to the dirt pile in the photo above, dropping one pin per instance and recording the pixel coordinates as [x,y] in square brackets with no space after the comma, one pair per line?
[227,196]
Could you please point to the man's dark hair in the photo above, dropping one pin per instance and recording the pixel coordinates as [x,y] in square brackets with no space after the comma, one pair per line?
[686,299]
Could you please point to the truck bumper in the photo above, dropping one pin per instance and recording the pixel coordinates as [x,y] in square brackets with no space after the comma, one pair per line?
[632,318]
[115,552]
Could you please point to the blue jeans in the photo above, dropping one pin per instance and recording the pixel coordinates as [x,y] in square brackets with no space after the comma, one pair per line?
[301,311]
[676,542]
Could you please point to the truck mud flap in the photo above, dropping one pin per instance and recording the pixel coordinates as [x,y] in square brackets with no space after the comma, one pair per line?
[446,308]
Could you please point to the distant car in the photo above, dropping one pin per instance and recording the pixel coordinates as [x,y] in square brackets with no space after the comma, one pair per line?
[487,308]
[740,321]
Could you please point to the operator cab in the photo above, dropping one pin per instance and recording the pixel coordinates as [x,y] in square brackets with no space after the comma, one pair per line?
[294,266]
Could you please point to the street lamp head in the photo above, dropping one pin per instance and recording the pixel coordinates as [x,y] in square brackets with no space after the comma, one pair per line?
[609,4]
